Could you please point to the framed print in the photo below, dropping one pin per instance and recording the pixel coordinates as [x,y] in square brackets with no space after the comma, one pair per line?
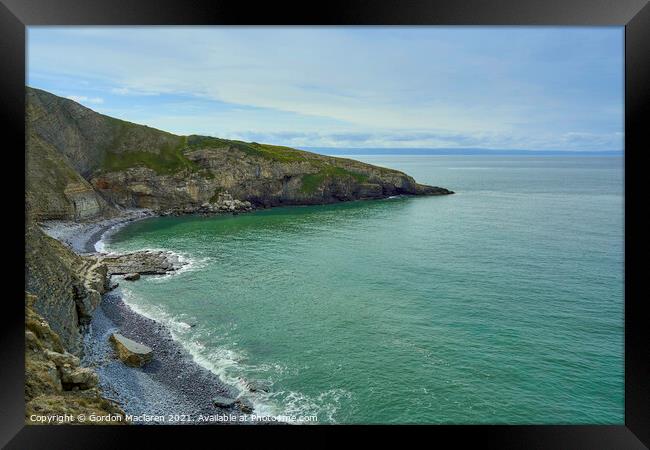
[415,216]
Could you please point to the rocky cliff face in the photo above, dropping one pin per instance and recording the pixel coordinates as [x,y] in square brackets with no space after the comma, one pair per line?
[63,289]
[82,164]
[68,287]
[54,189]
[300,178]
[55,384]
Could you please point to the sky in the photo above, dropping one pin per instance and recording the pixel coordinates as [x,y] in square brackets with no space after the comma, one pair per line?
[531,88]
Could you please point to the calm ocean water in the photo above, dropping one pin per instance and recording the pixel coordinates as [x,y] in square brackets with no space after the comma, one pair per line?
[502,303]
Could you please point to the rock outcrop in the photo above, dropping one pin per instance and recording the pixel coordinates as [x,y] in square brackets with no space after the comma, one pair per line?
[68,287]
[130,352]
[54,189]
[82,164]
[55,384]
[147,262]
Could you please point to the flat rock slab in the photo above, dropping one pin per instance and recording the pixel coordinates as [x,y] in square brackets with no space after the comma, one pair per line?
[130,352]
[146,262]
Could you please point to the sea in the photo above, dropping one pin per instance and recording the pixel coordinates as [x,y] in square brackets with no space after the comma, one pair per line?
[500,304]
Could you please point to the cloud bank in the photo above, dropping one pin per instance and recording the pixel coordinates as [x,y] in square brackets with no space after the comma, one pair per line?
[532,88]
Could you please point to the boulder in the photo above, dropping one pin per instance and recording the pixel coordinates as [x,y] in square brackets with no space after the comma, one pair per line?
[61,359]
[132,276]
[245,406]
[260,385]
[130,352]
[223,402]
[79,377]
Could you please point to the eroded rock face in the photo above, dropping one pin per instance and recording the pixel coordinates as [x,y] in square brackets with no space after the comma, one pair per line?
[88,165]
[84,200]
[55,383]
[68,286]
[54,189]
[254,182]
[130,352]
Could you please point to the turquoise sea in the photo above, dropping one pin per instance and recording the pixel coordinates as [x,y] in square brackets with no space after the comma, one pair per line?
[502,303]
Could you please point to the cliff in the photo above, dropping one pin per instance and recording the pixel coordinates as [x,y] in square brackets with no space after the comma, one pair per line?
[55,384]
[82,164]
[68,287]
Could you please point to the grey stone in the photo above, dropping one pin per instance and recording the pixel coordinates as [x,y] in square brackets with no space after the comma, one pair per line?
[223,402]
[130,352]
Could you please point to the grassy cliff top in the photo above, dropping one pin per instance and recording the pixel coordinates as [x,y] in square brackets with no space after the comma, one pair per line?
[93,142]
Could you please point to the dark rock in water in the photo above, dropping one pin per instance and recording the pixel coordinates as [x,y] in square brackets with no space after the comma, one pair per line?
[131,352]
[223,402]
[113,286]
[132,276]
[245,406]
[260,385]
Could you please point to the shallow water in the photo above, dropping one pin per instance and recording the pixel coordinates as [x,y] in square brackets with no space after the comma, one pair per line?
[502,303]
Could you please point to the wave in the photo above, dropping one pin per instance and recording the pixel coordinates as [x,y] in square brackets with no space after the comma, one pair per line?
[325,404]
[229,365]
[100,245]
[186,263]
[219,360]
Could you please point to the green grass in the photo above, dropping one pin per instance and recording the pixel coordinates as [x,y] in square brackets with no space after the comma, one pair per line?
[168,160]
[311,182]
[271,152]
[279,153]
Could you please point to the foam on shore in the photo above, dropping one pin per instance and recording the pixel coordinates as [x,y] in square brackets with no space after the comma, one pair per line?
[221,361]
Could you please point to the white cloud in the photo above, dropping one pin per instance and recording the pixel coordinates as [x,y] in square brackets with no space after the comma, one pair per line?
[502,89]
[127,91]
[84,99]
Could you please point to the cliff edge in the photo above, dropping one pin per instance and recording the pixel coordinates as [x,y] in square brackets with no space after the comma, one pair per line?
[82,165]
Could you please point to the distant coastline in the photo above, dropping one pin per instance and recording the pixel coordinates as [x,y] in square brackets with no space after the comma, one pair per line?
[337,151]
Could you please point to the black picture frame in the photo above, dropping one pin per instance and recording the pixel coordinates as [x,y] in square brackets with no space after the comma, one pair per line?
[634,15]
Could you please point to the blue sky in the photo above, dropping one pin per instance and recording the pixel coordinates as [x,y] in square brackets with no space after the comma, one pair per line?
[537,88]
